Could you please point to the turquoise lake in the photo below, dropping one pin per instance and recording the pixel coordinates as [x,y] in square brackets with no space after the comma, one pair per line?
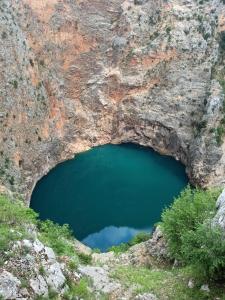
[110,193]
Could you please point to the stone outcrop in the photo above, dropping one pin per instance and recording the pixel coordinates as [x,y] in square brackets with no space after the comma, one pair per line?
[148,253]
[77,74]
[9,285]
[29,269]
[219,218]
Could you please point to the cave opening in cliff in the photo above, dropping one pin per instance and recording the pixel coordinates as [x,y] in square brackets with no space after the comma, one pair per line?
[110,193]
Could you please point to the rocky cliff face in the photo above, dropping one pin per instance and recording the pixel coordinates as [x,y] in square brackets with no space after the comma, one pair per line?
[77,74]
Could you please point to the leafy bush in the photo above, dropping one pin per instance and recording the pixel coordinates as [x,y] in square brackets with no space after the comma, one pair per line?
[15,219]
[188,211]
[56,236]
[205,249]
[123,247]
[139,238]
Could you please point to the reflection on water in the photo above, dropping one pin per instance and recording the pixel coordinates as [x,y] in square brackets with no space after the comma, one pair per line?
[126,186]
[111,236]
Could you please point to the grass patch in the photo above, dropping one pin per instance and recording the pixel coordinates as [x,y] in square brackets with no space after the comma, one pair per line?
[84,258]
[14,218]
[166,283]
[78,291]
[57,237]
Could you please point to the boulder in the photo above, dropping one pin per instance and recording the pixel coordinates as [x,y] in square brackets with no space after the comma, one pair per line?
[9,285]
[146,296]
[39,285]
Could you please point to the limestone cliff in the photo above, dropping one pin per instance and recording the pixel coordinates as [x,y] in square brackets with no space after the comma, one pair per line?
[76,74]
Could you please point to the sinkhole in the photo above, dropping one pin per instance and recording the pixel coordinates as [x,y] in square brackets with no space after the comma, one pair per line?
[110,193]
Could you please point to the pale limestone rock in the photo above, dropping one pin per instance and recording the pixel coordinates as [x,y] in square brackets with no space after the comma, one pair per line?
[79,247]
[38,246]
[191,284]
[101,280]
[9,285]
[205,288]
[54,276]
[219,218]
[50,254]
[146,296]
[103,258]
[157,245]
[39,285]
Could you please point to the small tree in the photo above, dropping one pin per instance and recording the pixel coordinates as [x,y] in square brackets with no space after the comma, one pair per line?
[205,249]
[188,211]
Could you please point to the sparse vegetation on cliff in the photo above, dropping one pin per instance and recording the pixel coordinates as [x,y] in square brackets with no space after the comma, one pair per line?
[14,218]
[19,223]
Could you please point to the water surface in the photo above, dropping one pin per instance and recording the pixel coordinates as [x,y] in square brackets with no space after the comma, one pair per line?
[110,193]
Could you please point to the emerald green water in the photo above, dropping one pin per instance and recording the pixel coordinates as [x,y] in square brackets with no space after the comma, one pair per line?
[110,193]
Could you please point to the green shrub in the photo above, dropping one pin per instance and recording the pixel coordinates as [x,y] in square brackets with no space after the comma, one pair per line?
[84,258]
[15,84]
[57,237]
[139,238]
[188,211]
[72,265]
[205,249]
[78,291]
[123,247]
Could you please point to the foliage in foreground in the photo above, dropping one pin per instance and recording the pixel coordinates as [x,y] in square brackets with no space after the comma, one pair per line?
[204,248]
[170,284]
[78,290]
[57,237]
[16,218]
[191,237]
[189,210]
[123,247]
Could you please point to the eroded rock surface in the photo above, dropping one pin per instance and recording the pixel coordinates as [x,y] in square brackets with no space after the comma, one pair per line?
[9,285]
[30,269]
[76,74]
[219,218]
